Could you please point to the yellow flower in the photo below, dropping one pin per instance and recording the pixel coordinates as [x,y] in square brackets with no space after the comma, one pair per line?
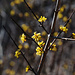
[64,6]
[60,15]
[65,66]
[53,47]
[7,71]
[12,3]
[12,72]
[62,28]
[39,51]
[22,0]
[42,19]
[65,18]
[17,1]
[36,36]
[23,38]
[27,68]
[59,42]
[73,35]
[61,9]
[24,27]
[41,43]
[1,61]
[26,14]
[17,53]
[20,46]
[55,33]
[12,63]
[26,45]
[44,33]
[12,12]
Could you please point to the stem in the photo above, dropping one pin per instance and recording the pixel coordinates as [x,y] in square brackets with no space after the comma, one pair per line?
[41,25]
[20,51]
[49,39]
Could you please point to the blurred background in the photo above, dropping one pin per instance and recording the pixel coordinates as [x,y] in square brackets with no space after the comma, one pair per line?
[59,62]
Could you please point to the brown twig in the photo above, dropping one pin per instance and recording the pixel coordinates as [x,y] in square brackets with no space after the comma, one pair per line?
[49,39]
[20,51]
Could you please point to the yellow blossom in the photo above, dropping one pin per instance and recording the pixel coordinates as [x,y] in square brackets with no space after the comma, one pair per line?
[53,47]
[23,38]
[12,72]
[62,28]
[27,68]
[42,19]
[17,1]
[12,3]
[64,6]
[61,9]
[65,66]
[41,43]
[7,71]
[12,63]
[24,27]
[26,45]
[22,0]
[36,36]
[1,61]
[17,53]
[44,33]
[26,14]
[20,46]
[60,15]
[12,12]
[55,33]
[65,18]
[73,35]
[59,42]
[39,53]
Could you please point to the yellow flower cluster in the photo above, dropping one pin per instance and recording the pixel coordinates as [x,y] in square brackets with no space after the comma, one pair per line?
[12,12]
[16,2]
[23,38]
[27,68]
[17,53]
[65,18]
[73,35]
[42,19]
[41,44]
[53,47]
[62,28]
[60,15]
[10,72]
[26,28]
[36,36]
[39,51]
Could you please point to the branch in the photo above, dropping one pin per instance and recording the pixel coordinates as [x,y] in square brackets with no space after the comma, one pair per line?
[41,25]
[49,39]
[20,51]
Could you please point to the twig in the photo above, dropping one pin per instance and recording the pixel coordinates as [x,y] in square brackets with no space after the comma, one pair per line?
[55,40]
[20,51]
[49,39]
[24,31]
[67,39]
[41,25]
